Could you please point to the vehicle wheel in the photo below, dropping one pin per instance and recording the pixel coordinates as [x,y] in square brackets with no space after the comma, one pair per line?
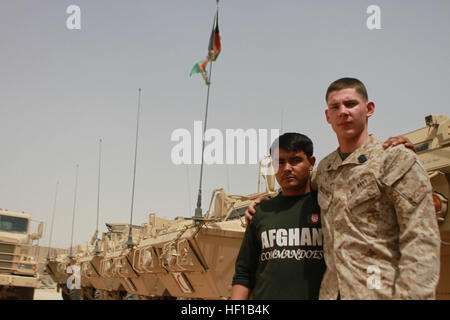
[65,296]
[75,294]
[88,293]
[24,293]
[115,295]
[130,296]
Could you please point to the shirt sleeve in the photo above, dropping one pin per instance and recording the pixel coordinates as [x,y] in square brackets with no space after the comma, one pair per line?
[248,258]
[419,241]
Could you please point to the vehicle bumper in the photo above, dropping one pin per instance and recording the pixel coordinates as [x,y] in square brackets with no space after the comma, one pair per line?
[18,281]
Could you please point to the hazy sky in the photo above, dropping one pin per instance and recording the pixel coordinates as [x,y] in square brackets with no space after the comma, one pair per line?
[62,90]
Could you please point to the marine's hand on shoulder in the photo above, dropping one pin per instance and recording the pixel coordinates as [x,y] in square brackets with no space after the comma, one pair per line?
[251,209]
[394,141]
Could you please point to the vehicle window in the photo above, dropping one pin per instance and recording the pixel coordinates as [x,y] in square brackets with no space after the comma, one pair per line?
[237,213]
[13,224]
[118,227]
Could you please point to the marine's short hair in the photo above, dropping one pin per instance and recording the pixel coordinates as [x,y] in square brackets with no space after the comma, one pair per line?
[345,83]
[293,141]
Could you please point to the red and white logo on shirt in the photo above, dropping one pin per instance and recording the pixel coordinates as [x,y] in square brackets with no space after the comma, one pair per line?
[315,218]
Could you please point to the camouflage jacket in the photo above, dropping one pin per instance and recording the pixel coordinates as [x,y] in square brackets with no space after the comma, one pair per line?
[381,238]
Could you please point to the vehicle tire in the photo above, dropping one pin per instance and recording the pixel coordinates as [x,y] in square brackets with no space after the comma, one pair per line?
[24,293]
[88,293]
[130,296]
[75,294]
[65,296]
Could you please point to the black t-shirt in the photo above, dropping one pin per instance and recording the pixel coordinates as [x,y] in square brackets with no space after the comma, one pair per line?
[281,255]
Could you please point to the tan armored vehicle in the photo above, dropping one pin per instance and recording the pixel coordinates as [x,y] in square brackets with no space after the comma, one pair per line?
[194,258]
[57,269]
[18,256]
[117,264]
[65,270]
[81,271]
[432,145]
[94,266]
[182,258]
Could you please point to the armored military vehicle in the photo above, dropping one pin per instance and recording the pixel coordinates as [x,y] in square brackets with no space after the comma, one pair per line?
[117,264]
[18,255]
[181,258]
[56,268]
[79,271]
[96,267]
[194,257]
[65,270]
[166,259]
[82,270]
[432,144]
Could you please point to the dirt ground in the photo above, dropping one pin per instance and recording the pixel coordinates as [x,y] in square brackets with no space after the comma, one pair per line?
[47,294]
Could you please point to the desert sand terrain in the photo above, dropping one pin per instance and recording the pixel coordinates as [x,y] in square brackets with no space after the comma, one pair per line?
[47,294]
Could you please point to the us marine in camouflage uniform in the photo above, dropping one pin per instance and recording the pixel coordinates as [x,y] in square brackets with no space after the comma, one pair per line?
[381,238]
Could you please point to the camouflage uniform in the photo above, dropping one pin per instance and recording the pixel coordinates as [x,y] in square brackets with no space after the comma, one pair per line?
[381,238]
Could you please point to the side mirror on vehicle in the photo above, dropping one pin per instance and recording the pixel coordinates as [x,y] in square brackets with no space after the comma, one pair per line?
[38,235]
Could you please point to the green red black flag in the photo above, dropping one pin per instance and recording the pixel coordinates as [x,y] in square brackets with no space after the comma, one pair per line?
[214,48]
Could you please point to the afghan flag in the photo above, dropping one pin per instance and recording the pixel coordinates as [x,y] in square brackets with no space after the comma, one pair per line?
[214,47]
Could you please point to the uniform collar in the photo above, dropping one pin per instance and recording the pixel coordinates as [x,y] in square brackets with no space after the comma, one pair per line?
[359,156]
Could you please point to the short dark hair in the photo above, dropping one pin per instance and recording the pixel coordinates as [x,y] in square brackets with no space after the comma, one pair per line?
[293,141]
[345,83]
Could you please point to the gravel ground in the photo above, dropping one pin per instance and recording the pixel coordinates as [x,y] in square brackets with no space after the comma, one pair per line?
[47,294]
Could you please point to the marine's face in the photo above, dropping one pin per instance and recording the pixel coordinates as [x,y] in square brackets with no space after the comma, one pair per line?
[293,170]
[348,112]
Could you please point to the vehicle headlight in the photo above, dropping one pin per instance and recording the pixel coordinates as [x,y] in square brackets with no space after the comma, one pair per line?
[30,267]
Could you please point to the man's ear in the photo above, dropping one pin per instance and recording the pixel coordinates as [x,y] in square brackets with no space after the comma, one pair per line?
[312,161]
[370,108]
[326,115]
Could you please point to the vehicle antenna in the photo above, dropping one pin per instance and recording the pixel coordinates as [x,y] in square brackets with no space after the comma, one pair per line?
[228,179]
[98,192]
[130,237]
[73,214]
[188,188]
[53,218]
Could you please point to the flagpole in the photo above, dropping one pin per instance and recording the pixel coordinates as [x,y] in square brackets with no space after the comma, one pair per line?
[198,210]
[212,55]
